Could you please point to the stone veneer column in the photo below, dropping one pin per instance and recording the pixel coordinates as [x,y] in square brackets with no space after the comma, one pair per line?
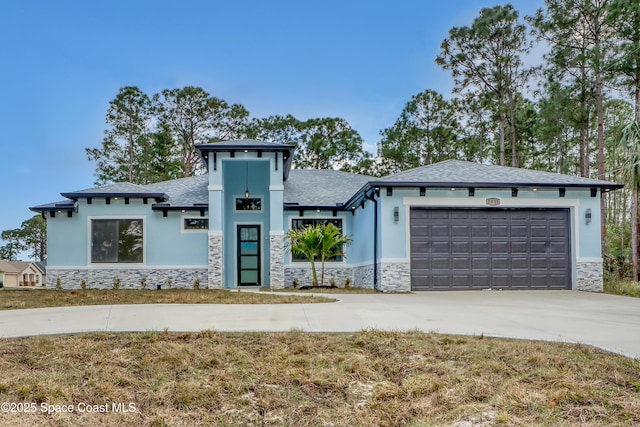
[276,260]
[395,277]
[589,276]
[215,263]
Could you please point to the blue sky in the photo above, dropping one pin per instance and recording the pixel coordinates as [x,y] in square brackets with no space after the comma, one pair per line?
[65,60]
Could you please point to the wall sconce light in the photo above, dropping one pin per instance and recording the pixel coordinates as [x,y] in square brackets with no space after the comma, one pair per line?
[396,214]
[587,216]
[246,192]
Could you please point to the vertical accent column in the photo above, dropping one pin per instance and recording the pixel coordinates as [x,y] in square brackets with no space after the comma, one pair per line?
[276,225]
[215,258]
[215,273]
[276,259]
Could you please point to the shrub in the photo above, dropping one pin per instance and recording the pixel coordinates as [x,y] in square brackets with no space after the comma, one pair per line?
[83,284]
[347,282]
[116,283]
[58,284]
[143,283]
[196,284]
[332,283]
[169,283]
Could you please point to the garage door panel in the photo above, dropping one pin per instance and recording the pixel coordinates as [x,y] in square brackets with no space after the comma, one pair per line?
[557,247]
[460,231]
[460,247]
[500,230]
[482,231]
[520,263]
[479,248]
[441,247]
[440,263]
[440,231]
[541,230]
[463,263]
[520,247]
[481,263]
[521,231]
[497,248]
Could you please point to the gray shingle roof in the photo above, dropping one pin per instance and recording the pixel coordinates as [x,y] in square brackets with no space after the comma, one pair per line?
[120,187]
[460,172]
[310,187]
[184,191]
[249,142]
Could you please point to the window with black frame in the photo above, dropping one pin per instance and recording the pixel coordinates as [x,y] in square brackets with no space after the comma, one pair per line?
[117,241]
[196,223]
[304,222]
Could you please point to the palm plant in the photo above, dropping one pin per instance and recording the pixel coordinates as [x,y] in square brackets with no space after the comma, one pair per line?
[331,244]
[631,140]
[320,242]
[306,242]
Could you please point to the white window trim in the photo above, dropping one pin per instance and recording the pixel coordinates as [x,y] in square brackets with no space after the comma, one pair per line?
[117,264]
[304,264]
[251,196]
[192,230]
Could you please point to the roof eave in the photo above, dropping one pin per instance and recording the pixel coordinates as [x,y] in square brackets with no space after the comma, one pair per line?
[458,184]
[134,195]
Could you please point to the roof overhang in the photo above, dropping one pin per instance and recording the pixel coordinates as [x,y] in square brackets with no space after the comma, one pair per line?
[360,195]
[204,151]
[98,194]
[166,207]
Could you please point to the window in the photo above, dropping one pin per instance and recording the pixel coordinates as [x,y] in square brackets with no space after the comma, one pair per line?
[195,223]
[304,222]
[116,240]
[248,204]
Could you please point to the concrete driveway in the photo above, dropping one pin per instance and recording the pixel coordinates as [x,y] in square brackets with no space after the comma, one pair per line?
[605,321]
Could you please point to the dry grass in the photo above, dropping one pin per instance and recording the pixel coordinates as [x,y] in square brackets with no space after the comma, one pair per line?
[370,378]
[38,298]
[625,288]
[325,290]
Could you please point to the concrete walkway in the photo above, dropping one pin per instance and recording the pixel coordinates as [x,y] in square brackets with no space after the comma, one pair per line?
[605,321]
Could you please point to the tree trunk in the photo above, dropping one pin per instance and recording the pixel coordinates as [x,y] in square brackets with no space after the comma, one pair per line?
[600,118]
[501,128]
[514,137]
[314,274]
[634,233]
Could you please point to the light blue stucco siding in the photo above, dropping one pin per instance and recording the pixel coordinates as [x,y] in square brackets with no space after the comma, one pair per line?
[239,174]
[361,232]
[165,242]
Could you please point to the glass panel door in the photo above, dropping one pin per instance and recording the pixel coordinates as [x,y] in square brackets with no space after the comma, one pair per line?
[248,255]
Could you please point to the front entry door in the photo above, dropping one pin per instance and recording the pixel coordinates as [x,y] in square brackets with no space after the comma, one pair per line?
[248,255]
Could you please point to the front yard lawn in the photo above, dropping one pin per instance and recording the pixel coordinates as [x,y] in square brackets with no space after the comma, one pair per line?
[369,378]
[39,298]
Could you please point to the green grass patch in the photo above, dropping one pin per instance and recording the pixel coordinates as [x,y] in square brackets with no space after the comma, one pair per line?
[369,378]
[622,287]
[40,298]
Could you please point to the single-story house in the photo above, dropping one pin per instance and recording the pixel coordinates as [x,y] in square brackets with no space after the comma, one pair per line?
[21,273]
[447,226]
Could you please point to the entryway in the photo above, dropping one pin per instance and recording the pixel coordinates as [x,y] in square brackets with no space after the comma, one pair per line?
[248,255]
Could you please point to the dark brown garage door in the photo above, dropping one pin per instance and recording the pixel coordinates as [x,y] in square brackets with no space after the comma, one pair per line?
[456,249]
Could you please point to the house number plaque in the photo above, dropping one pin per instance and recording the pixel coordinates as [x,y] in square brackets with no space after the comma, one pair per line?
[493,201]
